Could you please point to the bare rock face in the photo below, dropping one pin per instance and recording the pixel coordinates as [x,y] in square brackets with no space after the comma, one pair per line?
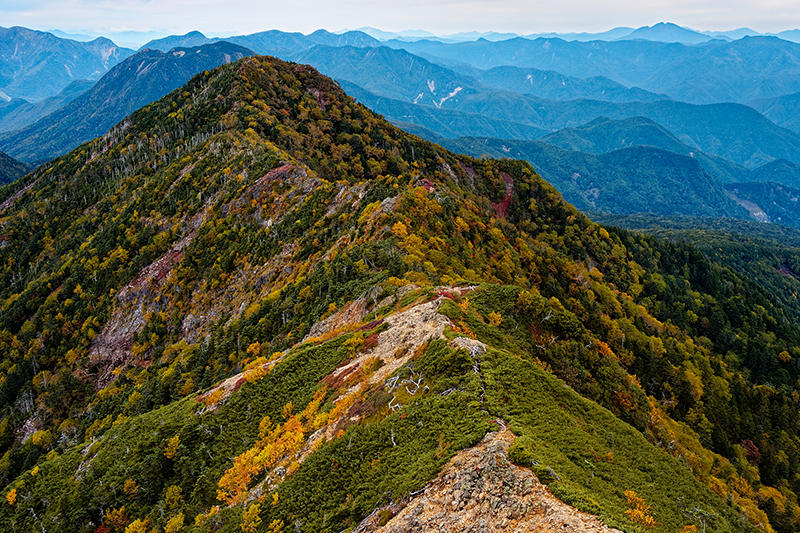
[481,491]
[348,315]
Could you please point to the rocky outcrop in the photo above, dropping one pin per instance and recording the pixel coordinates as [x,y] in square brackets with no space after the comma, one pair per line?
[112,347]
[481,491]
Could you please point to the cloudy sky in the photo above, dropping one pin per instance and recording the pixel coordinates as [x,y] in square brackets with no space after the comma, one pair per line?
[439,16]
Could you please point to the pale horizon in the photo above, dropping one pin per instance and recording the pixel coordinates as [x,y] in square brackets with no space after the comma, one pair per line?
[167,17]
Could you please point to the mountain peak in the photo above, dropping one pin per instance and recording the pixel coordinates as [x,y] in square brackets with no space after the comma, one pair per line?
[667,32]
[192,38]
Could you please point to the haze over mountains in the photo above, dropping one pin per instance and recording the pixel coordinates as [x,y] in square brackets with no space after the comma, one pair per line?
[35,64]
[662,31]
[142,78]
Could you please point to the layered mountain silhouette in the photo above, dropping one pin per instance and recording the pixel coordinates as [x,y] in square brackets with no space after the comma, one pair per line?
[36,65]
[718,71]
[142,78]
[667,32]
[17,113]
[783,110]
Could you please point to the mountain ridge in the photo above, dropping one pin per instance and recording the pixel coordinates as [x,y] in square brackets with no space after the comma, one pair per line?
[709,127]
[137,81]
[257,255]
[689,73]
[47,64]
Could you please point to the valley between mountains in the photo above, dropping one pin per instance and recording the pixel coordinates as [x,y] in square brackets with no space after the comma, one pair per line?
[255,305]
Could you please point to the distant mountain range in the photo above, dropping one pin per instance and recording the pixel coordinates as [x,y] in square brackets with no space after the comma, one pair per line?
[635,165]
[605,135]
[647,179]
[35,65]
[732,131]
[666,32]
[391,73]
[626,180]
[698,71]
[272,42]
[187,40]
[662,31]
[646,61]
[716,71]
[128,38]
[607,145]
[629,165]
[409,89]
[553,85]
[783,110]
[142,78]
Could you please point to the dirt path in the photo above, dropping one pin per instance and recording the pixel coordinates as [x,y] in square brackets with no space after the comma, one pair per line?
[481,491]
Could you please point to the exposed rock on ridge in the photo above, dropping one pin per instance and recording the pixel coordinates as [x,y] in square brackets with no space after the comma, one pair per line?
[481,491]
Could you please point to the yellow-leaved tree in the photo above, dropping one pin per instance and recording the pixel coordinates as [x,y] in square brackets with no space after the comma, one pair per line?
[251,519]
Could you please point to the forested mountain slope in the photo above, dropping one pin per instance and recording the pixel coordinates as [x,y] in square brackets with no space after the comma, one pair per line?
[256,305]
[18,113]
[11,169]
[767,253]
[627,180]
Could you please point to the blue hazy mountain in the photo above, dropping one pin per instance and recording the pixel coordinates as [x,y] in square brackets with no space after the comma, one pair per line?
[780,171]
[715,71]
[35,64]
[733,35]
[395,73]
[789,35]
[732,131]
[667,32]
[391,73]
[627,180]
[556,86]
[392,81]
[783,110]
[271,42]
[139,80]
[445,122]
[383,35]
[18,113]
[609,35]
[606,135]
[187,40]
[649,179]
